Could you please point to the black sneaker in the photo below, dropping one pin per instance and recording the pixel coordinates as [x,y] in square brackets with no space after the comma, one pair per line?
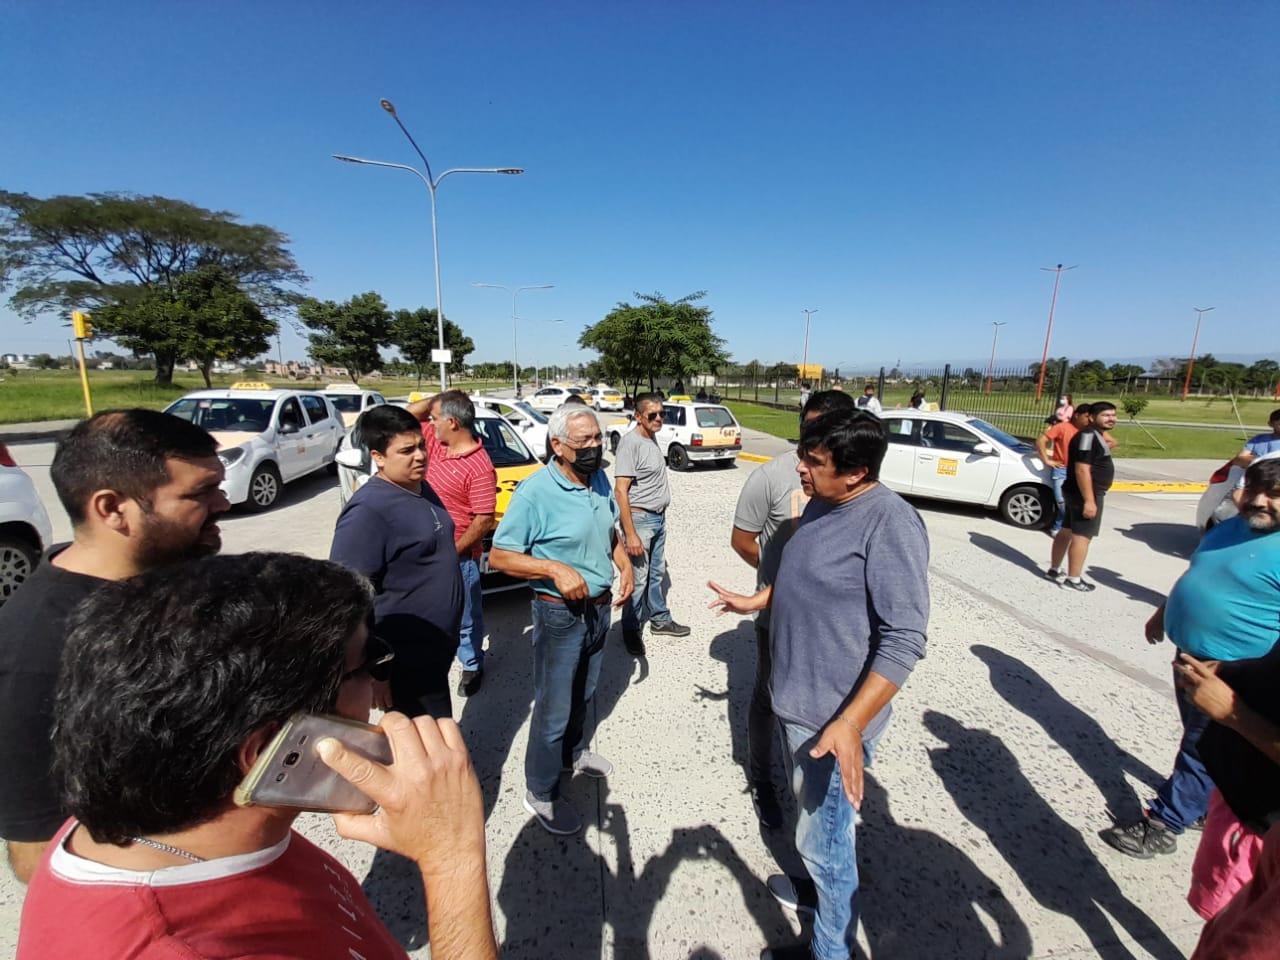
[469,685]
[669,629]
[792,951]
[768,810]
[633,643]
[794,893]
[1080,586]
[1057,576]
[1142,839]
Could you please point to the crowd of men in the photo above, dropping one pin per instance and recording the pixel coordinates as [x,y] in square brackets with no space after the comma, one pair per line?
[142,676]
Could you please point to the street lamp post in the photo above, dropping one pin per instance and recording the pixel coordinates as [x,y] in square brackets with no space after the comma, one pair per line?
[995,332]
[1044,359]
[805,362]
[432,183]
[1191,360]
[515,340]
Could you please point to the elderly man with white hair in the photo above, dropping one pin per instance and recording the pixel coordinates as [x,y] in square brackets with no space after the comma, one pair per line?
[559,532]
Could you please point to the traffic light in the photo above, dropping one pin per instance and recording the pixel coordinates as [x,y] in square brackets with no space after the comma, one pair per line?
[82,324]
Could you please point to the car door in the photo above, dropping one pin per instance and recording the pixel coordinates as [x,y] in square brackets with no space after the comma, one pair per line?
[947,466]
[291,445]
[897,470]
[322,434]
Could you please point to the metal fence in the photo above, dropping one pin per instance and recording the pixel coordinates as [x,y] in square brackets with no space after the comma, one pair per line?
[1004,397]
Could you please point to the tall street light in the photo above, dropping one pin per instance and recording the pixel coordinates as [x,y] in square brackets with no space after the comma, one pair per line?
[1191,361]
[432,183]
[1044,359]
[542,319]
[804,363]
[515,340]
[995,332]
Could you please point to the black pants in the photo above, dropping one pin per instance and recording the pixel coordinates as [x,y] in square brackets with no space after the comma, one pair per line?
[762,729]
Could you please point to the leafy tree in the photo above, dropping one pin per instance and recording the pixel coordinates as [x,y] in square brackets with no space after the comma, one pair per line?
[112,250]
[348,334]
[656,337]
[1124,371]
[1087,375]
[42,361]
[1262,375]
[1133,405]
[414,333]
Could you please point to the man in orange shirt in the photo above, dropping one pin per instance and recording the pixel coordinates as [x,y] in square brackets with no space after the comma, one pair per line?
[1053,444]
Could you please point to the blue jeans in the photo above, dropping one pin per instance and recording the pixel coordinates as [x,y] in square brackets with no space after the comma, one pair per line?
[568,647]
[471,632]
[1059,478]
[647,602]
[826,841]
[1184,797]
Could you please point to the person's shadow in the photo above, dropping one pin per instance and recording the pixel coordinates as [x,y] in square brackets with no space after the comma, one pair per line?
[906,867]
[1050,856]
[1175,539]
[1071,728]
[1002,551]
[1119,583]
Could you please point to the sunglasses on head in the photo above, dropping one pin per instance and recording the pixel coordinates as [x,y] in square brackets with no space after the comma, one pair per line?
[378,656]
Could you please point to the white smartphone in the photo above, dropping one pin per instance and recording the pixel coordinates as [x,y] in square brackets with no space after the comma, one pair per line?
[290,774]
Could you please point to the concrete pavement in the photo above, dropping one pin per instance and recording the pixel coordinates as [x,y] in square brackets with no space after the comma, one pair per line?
[1034,712]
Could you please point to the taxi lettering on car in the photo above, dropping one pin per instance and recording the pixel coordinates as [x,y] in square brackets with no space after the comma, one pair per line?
[692,432]
[266,436]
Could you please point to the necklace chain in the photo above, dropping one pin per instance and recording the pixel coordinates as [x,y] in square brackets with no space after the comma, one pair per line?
[167,848]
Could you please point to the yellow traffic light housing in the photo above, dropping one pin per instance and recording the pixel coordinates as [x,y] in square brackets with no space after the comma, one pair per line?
[82,325]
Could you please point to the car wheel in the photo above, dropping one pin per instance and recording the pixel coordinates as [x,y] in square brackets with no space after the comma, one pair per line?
[1025,506]
[264,487]
[18,559]
[677,458]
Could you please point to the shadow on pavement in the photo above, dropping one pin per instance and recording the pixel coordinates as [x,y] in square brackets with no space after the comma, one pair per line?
[1050,857]
[1175,539]
[1134,591]
[1009,554]
[905,868]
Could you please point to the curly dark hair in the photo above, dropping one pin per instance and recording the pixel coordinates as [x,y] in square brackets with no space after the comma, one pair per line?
[165,675]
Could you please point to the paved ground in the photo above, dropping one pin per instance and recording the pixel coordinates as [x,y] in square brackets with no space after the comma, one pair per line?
[1035,711]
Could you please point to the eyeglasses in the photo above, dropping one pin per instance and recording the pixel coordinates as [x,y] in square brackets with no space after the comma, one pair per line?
[377,660]
[595,441]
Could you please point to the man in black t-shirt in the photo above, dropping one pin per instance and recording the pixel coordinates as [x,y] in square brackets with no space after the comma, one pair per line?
[1090,471]
[142,490]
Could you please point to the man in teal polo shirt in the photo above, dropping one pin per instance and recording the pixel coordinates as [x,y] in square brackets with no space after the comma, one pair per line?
[559,532]
[1226,607]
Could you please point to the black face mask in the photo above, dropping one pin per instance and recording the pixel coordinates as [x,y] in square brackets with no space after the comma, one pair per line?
[587,461]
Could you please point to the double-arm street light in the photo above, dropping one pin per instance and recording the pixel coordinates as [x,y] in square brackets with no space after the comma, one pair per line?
[432,183]
[1191,360]
[515,339]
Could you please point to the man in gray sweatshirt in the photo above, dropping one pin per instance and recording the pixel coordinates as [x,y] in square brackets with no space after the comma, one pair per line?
[849,614]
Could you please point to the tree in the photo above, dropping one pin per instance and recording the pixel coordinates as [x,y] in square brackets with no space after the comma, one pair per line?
[655,338]
[414,333]
[42,361]
[112,250]
[1124,371]
[1087,375]
[348,334]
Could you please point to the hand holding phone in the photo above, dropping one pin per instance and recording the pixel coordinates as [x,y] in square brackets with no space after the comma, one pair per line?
[430,806]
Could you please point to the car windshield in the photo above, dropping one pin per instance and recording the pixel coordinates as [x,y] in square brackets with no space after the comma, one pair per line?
[995,433]
[249,414]
[714,417]
[529,412]
[501,443]
[345,402]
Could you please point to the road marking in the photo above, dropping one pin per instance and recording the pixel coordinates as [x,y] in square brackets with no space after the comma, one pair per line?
[1159,486]
[754,457]
[1191,497]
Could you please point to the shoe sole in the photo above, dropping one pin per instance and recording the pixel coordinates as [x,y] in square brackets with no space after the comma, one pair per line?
[546,826]
[667,633]
[791,905]
[1142,854]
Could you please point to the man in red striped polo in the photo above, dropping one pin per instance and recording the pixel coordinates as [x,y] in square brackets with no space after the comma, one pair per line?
[462,475]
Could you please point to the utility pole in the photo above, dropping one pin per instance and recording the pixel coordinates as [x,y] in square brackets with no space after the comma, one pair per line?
[1191,361]
[995,332]
[805,362]
[1048,334]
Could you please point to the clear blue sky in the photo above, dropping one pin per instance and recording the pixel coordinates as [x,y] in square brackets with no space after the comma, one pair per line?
[904,168]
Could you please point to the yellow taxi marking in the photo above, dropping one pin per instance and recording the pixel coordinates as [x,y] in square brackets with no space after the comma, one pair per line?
[948,468]
[250,385]
[508,478]
[1158,486]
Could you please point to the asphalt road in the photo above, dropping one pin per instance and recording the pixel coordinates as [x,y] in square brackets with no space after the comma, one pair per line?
[1035,711]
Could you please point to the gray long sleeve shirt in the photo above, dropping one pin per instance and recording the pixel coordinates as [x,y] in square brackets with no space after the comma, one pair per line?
[852,596]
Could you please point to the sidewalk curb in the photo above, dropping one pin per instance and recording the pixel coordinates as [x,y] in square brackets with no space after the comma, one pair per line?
[754,457]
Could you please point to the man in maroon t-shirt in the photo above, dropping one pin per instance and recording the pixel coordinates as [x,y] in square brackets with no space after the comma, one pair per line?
[460,472]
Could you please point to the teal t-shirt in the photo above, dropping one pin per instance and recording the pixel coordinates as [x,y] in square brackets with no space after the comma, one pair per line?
[552,518]
[1227,605]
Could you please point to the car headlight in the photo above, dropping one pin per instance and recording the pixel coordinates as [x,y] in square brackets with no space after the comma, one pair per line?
[232,456]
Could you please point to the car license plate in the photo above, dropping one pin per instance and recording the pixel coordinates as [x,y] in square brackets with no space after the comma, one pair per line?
[724,453]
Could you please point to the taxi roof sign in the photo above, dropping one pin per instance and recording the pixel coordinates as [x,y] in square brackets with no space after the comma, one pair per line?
[250,385]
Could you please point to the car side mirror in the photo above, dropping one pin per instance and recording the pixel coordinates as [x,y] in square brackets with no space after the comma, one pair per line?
[288,426]
[350,458]
[985,449]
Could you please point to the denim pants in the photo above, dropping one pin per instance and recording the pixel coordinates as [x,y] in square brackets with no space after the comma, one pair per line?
[568,647]
[647,602]
[825,840]
[1184,797]
[471,632]
[762,730]
[1059,478]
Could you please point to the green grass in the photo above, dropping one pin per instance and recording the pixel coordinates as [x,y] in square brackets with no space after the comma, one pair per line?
[32,395]
[1179,443]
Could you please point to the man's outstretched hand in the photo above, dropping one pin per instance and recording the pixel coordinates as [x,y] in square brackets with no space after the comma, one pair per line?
[727,601]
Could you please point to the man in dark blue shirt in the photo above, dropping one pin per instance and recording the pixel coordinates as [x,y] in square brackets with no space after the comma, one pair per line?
[396,532]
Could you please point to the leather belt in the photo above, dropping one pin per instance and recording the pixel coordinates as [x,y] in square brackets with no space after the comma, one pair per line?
[599,601]
[656,513]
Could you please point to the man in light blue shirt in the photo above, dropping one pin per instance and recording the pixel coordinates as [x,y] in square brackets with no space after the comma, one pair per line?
[1262,444]
[1225,607]
[559,532]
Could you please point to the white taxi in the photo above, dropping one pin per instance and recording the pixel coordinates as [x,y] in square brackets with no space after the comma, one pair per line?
[604,398]
[25,531]
[953,456]
[691,433]
[548,398]
[266,437]
[531,423]
[351,401]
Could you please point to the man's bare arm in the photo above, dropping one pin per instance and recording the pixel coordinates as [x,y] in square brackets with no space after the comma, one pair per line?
[24,857]
[1084,480]
[746,545]
[622,492]
[524,567]
[422,408]
[481,524]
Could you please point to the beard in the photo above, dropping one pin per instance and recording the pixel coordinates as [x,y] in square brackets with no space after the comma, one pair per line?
[1260,520]
[166,542]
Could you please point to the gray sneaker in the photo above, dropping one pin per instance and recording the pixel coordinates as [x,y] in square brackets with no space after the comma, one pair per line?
[555,816]
[592,764]
[669,629]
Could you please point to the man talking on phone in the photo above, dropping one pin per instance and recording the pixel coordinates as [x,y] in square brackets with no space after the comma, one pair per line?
[160,717]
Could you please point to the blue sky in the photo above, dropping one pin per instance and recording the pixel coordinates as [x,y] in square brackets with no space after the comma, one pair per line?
[905,168]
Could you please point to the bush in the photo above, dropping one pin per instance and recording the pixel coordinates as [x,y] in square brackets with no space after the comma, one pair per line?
[1133,406]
